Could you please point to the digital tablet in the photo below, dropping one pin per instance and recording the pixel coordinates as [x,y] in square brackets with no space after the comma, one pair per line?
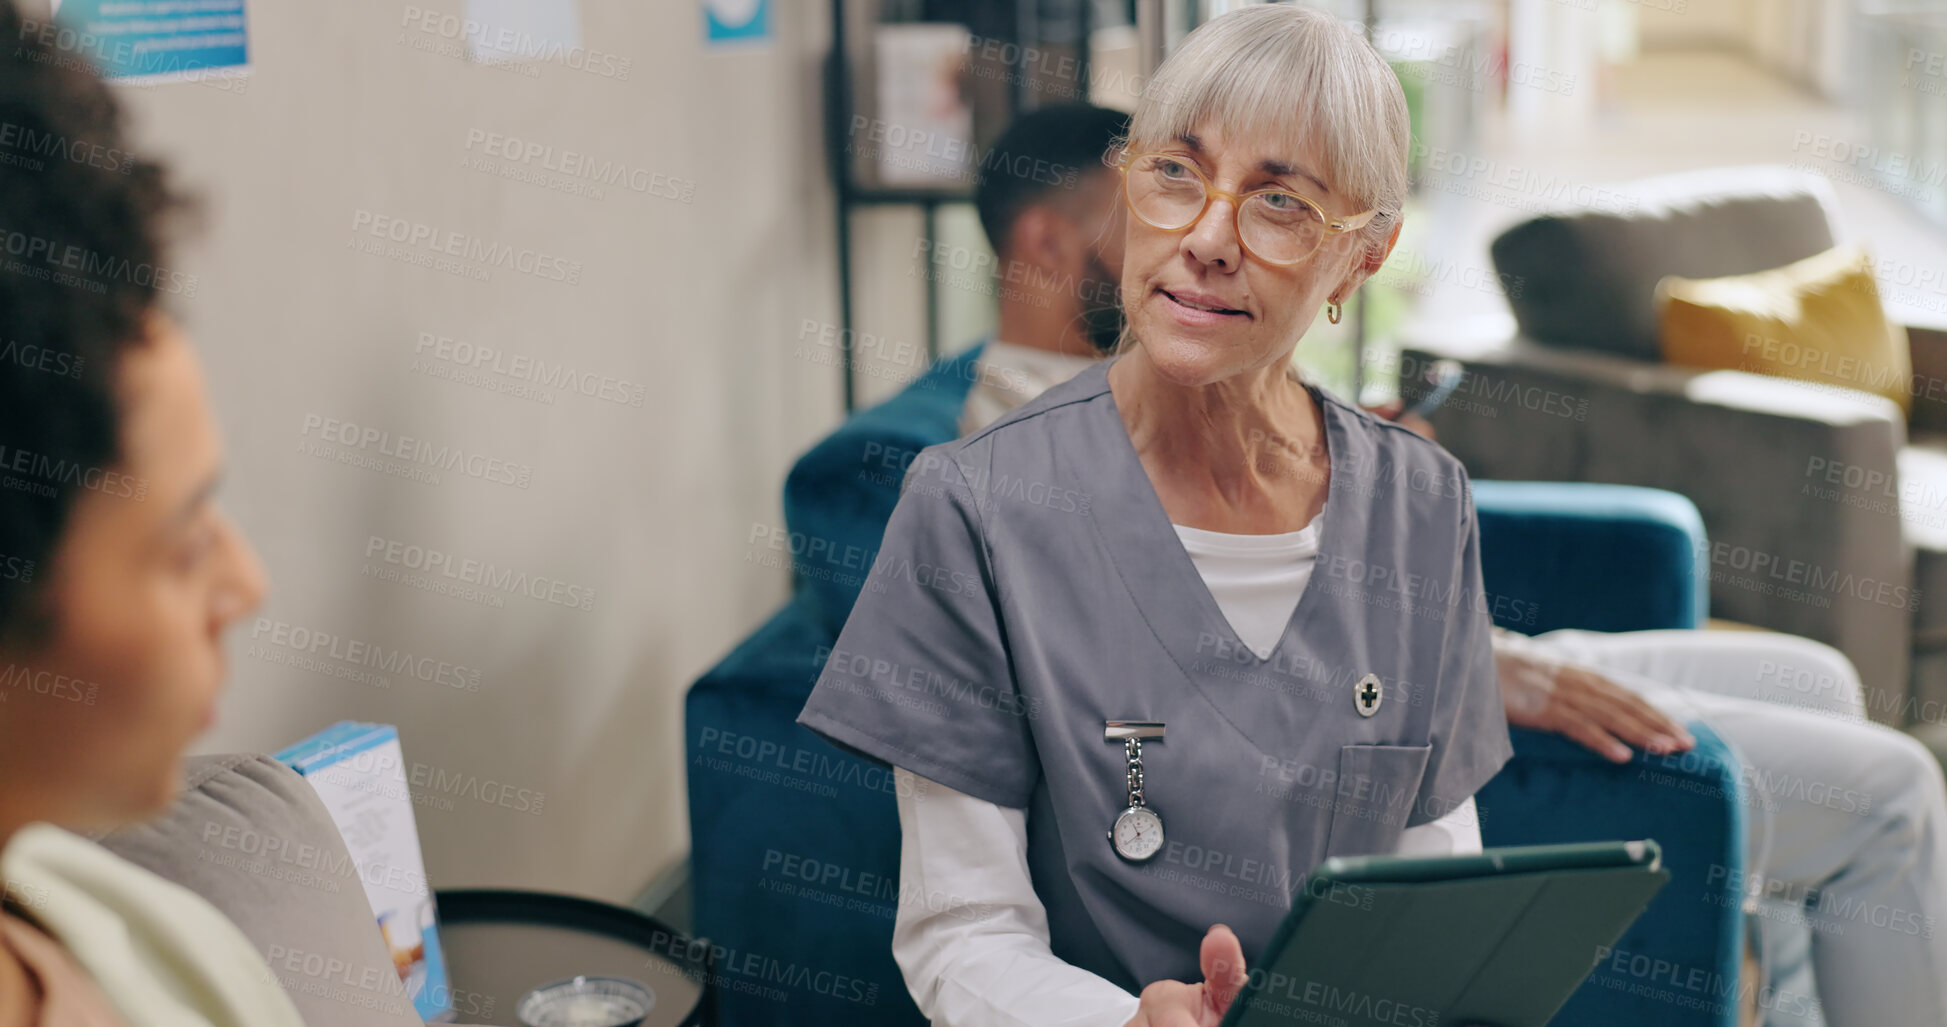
[1499,938]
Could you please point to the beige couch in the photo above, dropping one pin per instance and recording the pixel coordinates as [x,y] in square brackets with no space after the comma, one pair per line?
[1827,514]
[252,837]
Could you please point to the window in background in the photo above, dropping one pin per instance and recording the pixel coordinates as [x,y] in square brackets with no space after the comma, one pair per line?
[1902,95]
[1451,59]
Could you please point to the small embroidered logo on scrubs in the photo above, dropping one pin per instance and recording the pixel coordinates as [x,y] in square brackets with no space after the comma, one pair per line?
[1367,695]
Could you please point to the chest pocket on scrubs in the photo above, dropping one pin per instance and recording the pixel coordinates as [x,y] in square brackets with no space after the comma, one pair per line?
[1373,796]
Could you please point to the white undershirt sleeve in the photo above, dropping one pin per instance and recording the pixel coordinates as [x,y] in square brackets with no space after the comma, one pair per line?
[971,935]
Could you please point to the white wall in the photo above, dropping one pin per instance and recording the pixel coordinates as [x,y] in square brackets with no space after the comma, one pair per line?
[1806,41]
[1688,24]
[653,508]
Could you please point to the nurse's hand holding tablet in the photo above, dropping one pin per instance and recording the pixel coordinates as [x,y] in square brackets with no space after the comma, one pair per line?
[1175,1004]
[1192,537]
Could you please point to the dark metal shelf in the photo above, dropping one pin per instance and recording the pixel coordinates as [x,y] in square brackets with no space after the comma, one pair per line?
[851,194]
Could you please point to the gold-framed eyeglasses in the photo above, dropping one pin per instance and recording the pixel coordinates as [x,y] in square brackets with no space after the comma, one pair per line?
[1277,226]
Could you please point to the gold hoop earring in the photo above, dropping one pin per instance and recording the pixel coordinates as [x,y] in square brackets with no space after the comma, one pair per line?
[1333,311]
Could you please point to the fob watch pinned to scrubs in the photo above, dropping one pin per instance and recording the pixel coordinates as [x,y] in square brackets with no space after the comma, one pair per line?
[1137,834]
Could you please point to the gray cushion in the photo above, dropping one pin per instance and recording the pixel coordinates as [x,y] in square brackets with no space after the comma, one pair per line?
[1588,276]
[251,837]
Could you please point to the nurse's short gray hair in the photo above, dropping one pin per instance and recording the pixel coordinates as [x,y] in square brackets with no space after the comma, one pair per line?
[1296,76]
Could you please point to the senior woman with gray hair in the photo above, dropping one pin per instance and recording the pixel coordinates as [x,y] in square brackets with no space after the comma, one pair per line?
[1148,649]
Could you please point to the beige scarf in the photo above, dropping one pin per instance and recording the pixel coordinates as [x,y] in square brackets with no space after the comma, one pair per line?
[161,955]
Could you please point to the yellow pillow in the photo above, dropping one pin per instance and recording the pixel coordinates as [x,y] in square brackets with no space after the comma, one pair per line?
[1818,320]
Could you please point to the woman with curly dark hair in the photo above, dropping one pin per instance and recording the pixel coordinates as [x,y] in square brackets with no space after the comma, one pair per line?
[118,573]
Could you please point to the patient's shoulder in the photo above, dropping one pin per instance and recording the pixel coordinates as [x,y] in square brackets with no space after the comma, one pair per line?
[1051,409]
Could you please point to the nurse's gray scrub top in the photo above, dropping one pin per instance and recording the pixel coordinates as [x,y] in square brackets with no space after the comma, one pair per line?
[1031,588]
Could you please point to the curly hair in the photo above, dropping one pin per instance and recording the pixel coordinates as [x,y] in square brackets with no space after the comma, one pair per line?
[82,226]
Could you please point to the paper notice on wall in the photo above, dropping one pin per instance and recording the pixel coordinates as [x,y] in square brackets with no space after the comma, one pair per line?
[142,41]
[924,131]
[523,30]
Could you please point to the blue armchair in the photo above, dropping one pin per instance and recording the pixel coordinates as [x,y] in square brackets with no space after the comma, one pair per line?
[795,845]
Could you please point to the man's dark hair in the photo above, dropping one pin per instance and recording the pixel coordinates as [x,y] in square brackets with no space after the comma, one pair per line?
[81,244]
[1045,152]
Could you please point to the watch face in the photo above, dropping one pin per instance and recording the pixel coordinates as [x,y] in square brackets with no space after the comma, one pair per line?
[1138,834]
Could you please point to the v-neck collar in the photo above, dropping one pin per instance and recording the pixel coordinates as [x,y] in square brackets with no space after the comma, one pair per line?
[1159,572]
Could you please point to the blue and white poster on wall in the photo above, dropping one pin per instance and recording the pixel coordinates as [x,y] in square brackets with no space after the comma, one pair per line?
[732,22]
[155,40]
[524,30]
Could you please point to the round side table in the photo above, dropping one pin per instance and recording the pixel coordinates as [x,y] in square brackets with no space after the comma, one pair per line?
[501,944]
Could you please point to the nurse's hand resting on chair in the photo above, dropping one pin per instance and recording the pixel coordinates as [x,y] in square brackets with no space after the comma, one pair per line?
[1176,1004]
